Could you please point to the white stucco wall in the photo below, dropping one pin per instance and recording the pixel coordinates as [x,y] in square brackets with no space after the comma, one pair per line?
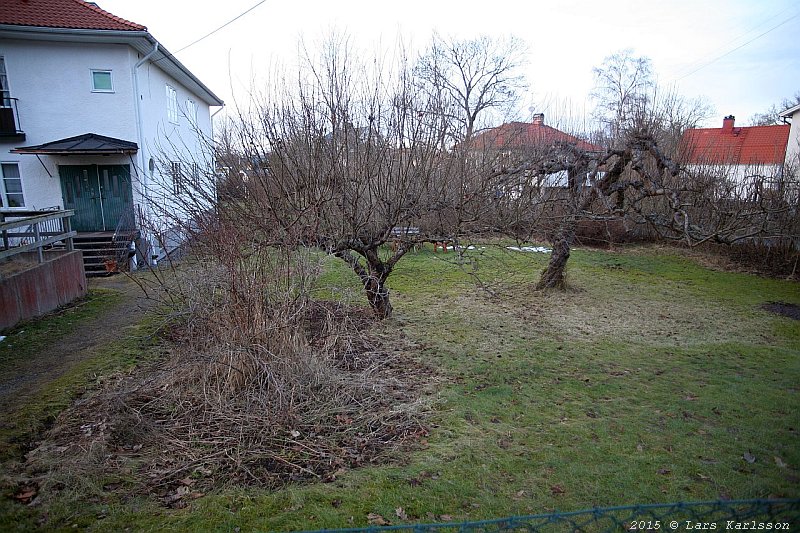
[53,83]
[793,147]
[186,141]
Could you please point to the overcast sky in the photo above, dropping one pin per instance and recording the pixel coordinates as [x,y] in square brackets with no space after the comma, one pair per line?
[742,55]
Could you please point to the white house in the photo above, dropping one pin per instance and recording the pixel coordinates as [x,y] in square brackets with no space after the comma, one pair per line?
[743,161]
[793,147]
[90,105]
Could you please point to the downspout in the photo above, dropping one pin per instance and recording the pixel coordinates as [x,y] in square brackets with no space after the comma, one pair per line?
[144,179]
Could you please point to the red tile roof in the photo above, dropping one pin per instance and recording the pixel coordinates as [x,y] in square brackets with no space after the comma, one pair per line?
[736,146]
[528,135]
[74,14]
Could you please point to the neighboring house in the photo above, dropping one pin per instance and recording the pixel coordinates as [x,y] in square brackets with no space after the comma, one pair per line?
[793,148]
[743,162]
[512,144]
[95,116]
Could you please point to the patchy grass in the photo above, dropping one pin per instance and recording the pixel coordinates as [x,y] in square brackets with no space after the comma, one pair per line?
[649,380]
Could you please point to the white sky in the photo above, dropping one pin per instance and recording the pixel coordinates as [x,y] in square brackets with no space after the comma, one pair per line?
[566,39]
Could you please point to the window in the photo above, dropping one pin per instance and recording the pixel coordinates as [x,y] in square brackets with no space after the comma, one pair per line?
[172,105]
[5,93]
[178,186]
[191,112]
[11,186]
[195,175]
[101,81]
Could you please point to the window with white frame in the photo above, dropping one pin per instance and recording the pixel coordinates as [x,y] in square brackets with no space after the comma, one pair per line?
[178,186]
[191,112]
[102,82]
[172,104]
[11,186]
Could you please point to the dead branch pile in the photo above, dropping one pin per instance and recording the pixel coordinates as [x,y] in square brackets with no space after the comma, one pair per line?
[262,386]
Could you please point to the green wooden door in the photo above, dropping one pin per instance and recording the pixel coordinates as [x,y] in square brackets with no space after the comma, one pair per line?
[80,190]
[101,195]
[117,195]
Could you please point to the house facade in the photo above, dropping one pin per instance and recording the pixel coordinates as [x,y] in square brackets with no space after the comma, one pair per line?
[792,115]
[742,162]
[514,143]
[96,116]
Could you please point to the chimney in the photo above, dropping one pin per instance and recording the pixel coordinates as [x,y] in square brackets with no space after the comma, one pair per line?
[727,124]
[538,119]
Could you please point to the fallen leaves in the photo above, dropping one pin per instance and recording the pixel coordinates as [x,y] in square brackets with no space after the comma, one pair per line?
[557,489]
[26,494]
[376,520]
[749,457]
[401,513]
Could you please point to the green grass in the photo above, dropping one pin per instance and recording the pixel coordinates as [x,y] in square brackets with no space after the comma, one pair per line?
[647,381]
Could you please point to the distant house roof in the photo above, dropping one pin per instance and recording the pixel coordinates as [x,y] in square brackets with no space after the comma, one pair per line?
[75,14]
[730,145]
[86,144]
[516,135]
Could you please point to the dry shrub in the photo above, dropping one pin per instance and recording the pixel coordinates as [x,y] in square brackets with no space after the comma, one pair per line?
[602,232]
[262,386]
[776,257]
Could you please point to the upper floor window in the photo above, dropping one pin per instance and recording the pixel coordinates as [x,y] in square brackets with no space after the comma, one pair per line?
[5,92]
[11,186]
[101,81]
[172,105]
[191,111]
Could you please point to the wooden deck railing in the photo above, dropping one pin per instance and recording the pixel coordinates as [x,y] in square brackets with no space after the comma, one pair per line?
[42,228]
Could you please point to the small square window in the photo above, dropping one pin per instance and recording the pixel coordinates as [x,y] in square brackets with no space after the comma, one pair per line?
[101,81]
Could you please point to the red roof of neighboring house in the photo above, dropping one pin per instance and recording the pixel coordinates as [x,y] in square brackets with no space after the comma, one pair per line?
[73,14]
[736,146]
[527,135]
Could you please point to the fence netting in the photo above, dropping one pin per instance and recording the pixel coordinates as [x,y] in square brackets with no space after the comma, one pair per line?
[761,515]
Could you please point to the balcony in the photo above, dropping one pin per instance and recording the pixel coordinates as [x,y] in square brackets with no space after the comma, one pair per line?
[10,129]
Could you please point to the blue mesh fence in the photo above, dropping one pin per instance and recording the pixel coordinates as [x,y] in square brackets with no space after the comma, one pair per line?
[760,515]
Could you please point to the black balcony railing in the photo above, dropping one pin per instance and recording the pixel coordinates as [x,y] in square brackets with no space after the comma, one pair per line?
[9,120]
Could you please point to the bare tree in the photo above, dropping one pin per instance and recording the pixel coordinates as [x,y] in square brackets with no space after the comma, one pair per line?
[346,158]
[623,85]
[773,114]
[476,76]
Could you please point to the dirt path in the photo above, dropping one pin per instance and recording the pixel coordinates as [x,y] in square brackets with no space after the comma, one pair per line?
[25,378]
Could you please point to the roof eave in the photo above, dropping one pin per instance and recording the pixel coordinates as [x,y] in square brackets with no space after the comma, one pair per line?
[789,112]
[139,40]
[74,152]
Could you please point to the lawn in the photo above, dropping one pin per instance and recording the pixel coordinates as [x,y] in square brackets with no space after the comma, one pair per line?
[651,379]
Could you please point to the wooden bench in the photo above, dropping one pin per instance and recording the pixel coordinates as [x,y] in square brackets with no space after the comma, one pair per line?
[399,232]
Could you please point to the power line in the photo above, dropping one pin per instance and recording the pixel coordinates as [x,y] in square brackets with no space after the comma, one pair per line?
[209,34]
[732,42]
[729,52]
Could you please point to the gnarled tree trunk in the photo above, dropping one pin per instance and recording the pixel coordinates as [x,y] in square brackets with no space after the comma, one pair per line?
[554,276]
[374,277]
